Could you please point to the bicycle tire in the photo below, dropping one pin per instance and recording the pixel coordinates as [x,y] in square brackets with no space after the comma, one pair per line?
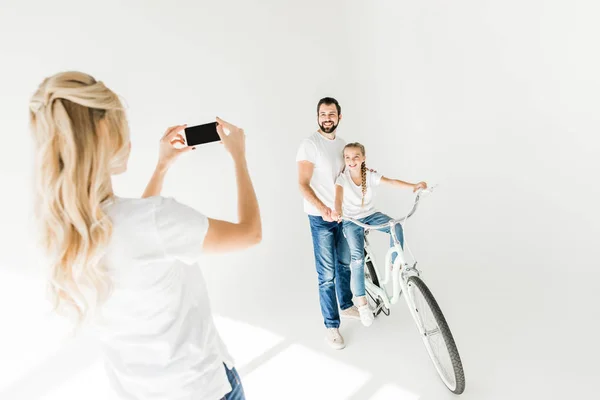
[450,344]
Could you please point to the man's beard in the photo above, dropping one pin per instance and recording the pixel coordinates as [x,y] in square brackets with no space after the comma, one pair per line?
[329,129]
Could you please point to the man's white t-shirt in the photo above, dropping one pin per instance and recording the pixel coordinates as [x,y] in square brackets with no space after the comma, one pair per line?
[156,327]
[328,159]
[351,206]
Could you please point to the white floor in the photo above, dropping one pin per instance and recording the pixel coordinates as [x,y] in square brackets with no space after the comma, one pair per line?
[269,317]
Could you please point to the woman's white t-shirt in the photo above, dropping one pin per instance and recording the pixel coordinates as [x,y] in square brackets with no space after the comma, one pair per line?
[156,327]
[351,205]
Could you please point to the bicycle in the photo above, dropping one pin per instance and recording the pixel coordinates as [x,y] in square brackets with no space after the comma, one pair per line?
[423,307]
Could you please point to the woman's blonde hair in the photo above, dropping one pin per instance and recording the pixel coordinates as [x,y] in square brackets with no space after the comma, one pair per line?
[81,138]
[363,168]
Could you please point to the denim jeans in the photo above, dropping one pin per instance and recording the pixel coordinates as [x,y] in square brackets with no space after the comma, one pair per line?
[237,392]
[355,235]
[332,258]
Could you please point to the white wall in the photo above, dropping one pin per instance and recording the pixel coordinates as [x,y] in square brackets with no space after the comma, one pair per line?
[260,64]
[498,103]
[493,101]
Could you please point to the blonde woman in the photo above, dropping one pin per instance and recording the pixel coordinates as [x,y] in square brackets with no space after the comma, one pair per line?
[126,268]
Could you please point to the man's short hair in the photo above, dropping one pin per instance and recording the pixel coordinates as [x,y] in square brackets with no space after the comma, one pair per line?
[328,101]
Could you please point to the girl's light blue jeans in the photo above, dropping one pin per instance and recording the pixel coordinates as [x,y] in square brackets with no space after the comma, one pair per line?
[355,235]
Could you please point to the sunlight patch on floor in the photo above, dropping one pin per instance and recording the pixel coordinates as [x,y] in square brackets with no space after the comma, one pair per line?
[245,342]
[286,370]
[301,373]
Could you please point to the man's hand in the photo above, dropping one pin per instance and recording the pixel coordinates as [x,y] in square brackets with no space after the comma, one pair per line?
[326,214]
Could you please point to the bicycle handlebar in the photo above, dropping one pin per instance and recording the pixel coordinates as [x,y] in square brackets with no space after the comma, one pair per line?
[393,221]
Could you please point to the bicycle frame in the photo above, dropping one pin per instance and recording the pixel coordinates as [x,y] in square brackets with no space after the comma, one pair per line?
[400,271]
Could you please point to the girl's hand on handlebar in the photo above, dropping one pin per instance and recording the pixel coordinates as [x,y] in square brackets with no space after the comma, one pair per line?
[420,185]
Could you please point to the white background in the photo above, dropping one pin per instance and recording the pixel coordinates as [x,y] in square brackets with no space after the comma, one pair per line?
[495,101]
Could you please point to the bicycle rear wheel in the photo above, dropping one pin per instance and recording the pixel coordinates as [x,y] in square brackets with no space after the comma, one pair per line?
[437,337]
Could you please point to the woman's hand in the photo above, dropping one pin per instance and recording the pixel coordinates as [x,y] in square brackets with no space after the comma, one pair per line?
[420,185]
[235,141]
[172,144]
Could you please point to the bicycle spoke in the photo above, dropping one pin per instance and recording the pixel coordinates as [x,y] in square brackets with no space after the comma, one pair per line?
[432,332]
[445,361]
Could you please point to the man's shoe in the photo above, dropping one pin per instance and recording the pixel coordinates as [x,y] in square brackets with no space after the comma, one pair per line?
[334,339]
[351,313]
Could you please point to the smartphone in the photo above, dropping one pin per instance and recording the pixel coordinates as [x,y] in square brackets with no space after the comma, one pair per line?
[201,134]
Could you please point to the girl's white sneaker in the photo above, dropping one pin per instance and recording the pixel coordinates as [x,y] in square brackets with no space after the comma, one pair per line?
[366,315]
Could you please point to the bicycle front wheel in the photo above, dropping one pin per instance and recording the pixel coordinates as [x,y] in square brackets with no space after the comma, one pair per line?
[437,337]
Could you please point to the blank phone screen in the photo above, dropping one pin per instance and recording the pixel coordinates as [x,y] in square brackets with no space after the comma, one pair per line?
[201,134]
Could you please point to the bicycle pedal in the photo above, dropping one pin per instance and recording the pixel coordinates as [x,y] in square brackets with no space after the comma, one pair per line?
[381,308]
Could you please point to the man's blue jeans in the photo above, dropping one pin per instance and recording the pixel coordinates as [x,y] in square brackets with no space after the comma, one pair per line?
[332,258]
[355,235]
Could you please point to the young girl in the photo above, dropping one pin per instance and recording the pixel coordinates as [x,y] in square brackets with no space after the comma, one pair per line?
[354,195]
[132,260]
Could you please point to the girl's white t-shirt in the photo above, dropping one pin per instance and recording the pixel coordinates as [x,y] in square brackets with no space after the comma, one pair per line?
[156,327]
[351,205]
